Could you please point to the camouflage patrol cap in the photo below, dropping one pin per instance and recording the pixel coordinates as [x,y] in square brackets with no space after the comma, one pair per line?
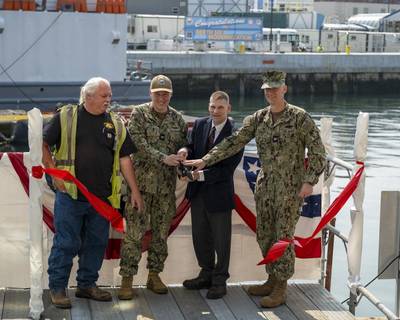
[273,79]
[161,83]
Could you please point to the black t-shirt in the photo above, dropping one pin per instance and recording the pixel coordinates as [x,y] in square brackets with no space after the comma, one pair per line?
[94,149]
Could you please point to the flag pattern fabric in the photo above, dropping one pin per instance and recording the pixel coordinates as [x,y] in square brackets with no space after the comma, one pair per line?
[245,177]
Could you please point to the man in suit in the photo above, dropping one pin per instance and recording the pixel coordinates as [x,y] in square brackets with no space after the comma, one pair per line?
[211,196]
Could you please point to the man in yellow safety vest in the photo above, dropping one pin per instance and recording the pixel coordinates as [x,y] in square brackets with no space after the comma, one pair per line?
[93,145]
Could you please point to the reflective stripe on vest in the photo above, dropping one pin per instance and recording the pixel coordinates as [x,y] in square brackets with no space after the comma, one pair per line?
[116,179]
[65,155]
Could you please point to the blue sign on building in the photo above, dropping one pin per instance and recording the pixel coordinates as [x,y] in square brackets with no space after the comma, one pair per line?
[223,29]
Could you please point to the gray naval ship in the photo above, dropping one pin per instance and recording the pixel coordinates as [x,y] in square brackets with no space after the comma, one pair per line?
[46,56]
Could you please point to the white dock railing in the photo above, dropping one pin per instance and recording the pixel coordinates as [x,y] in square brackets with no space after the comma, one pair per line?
[354,240]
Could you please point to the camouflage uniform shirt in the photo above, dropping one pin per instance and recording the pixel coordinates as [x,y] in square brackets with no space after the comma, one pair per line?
[281,147]
[156,138]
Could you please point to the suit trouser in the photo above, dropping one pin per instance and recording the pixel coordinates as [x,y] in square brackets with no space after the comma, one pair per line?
[211,233]
[157,217]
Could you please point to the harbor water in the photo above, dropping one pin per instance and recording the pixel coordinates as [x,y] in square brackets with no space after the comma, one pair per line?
[382,168]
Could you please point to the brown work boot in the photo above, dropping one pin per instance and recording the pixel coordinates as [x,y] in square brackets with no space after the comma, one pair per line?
[155,284]
[60,299]
[277,297]
[93,293]
[126,291]
[264,289]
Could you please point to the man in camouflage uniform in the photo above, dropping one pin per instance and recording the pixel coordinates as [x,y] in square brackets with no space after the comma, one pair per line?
[159,131]
[282,132]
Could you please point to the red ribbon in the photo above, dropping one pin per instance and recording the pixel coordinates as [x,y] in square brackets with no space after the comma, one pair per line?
[248,217]
[37,172]
[114,245]
[277,250]
[244,212]
[103,208]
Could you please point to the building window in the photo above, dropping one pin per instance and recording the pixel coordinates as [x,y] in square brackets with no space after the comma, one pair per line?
[330,36]
[365,10]
[383,10]
[152,29]
[305,39]
[131,25]
[353,38]
[281,7]
[175,10]
[131,29]
[355,11]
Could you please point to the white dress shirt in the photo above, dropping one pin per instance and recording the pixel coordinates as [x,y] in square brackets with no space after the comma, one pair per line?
[218,129]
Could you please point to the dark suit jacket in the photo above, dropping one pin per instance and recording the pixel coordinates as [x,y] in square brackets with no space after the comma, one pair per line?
[218,189]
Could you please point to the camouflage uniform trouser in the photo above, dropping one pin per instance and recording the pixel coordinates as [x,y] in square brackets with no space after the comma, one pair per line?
[277,216]
[159,211]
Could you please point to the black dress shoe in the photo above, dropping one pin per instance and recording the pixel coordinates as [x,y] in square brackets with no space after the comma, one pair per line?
[197,283]
[216,292]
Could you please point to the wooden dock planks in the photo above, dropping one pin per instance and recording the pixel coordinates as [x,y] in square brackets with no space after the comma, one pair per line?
[324,301]
[218,307]
[163,306]
[305,301]
[302,306]
[241,305]
[137,308]
[80,307]
[191,304]
[2,291]
[16,304]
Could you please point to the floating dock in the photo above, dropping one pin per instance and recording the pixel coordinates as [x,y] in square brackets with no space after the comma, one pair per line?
[305,301]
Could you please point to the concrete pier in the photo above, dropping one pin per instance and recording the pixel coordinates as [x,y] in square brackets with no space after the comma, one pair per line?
[240,74]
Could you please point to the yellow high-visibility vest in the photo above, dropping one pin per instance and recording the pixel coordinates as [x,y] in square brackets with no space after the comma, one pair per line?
[65,155]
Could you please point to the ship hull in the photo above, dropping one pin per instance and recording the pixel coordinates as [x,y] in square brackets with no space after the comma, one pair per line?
[46,95]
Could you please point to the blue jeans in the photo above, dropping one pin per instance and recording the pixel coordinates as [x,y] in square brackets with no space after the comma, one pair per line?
[81,231]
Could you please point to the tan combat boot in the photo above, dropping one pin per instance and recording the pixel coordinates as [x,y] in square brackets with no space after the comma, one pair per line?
[155,284]
[126,291]
[264,289]
[277,297]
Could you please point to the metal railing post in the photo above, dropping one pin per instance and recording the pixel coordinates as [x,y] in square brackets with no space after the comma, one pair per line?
[323,258]
[329,265]
[352,303]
